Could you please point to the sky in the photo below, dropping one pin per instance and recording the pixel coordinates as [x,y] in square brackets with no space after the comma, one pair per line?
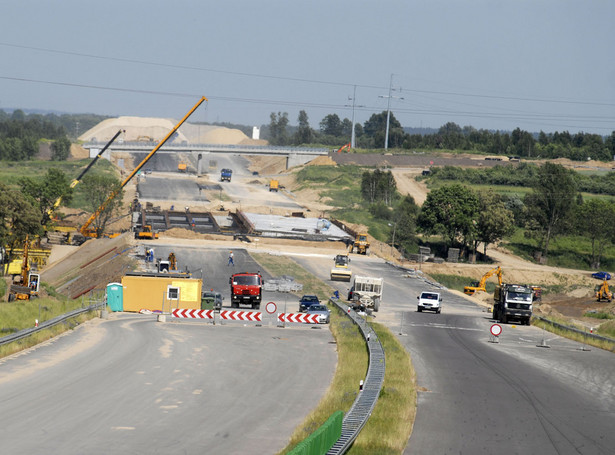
[539,65]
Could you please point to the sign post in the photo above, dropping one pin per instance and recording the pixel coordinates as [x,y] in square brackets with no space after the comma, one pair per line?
[495,330]
[271,308]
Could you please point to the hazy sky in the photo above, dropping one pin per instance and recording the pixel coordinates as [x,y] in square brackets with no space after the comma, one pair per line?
[498,64]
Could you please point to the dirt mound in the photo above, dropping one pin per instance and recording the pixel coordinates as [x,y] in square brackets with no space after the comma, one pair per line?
[324,160]
[78,153]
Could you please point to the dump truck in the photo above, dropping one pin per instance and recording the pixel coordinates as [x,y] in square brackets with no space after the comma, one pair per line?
[246,288]
[274,185]
[480,285]
[361,243]
[513,302]
[366,291]
[341,270]
[182,167]
[226,174]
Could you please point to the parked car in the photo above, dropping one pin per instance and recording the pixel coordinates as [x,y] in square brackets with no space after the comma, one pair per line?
[324,314]
[601,275]
[307,301]
[430,301]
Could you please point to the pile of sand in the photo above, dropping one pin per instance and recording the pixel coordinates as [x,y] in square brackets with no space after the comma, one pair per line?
[323,160]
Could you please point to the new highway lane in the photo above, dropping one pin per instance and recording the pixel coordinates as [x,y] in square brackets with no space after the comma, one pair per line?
[480,397]
[131,384]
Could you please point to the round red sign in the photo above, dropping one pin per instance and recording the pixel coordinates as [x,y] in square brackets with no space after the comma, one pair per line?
[496,330]
[271,308]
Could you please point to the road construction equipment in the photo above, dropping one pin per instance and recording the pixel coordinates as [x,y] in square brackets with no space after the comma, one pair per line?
[361,244]
[274,185]
[602,292]
[513,302]
[146,232]
[226,174]
[366,291]
[25,285]
[85,231]
[341,270]
[182,167]
[480,285]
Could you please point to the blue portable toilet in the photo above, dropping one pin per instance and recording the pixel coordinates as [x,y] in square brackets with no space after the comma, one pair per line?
[115,296]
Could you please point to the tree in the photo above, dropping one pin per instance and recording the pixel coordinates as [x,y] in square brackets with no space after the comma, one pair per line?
[46,191]
[304,134]
[403,231]
[18,219]
[495,220]
[375,128]
[277,128]
[595,220]
[550,204]
[60,149]
[331,125]
[450,211]
[378,186]
[97,189]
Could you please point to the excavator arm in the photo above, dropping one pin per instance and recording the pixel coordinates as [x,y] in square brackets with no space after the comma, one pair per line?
[470,290]
[89,233]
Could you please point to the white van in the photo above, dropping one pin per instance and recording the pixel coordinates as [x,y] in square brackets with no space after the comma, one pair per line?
[430,301]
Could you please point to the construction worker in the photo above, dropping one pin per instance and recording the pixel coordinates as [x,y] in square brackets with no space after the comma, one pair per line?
[230,259]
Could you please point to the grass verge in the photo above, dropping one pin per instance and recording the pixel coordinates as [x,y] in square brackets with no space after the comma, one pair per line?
[581,338]
[388,429]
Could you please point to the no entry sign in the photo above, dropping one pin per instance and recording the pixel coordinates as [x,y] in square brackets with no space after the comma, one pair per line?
[496,330]
[271,308]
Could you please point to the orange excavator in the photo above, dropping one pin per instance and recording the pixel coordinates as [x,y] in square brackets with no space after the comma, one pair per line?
[602,291]
[480,285]
[93,233]
[344,147]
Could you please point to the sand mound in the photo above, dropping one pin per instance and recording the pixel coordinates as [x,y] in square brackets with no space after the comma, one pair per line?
[323,160]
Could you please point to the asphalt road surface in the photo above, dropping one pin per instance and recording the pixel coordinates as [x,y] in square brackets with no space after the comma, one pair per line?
[133,385]
[480,397]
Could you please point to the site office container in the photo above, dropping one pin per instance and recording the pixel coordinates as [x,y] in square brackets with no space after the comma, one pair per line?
[161,292]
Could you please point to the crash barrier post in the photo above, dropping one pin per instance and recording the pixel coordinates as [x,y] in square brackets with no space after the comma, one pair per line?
[356,418]
[192,314]
[321,440]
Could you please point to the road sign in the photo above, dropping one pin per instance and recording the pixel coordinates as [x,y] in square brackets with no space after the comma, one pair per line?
[496,330]
[271,308]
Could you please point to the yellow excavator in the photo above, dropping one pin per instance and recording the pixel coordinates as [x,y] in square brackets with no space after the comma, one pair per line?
[602,291]
[480,285]
[341,270]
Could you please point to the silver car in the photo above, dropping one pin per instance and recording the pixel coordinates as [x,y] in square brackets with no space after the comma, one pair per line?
[324,314]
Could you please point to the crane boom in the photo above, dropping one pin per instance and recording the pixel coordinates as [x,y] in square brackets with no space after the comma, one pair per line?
[76,181]
[84,229]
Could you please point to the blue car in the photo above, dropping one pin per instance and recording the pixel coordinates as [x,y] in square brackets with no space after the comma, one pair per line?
[601,275]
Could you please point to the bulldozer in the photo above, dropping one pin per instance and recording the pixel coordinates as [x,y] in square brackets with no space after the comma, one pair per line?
[602,292]
[146,232]
[361,244]
[476,286]
[341,271]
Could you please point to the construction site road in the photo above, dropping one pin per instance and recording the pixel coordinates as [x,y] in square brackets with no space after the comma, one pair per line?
[130,384]
[481,397]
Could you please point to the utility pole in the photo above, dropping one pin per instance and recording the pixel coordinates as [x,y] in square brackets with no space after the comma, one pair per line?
[354,97]
[386,136]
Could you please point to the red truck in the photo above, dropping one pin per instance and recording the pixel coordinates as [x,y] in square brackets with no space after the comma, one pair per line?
[247,289]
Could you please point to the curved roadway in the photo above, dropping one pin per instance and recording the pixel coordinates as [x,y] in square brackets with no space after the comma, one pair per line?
[479,397]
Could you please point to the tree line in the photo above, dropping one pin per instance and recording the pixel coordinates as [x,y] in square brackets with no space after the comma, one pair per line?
[334,131]
[465,218]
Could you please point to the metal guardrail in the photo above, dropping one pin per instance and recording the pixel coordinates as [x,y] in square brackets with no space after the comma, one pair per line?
[50,323]
[356,418]
[575,330]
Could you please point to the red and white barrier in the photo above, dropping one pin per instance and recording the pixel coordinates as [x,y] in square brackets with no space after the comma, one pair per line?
[193,314]
[298,317]
[234,315]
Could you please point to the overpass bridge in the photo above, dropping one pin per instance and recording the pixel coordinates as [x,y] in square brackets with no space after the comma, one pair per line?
[294,155]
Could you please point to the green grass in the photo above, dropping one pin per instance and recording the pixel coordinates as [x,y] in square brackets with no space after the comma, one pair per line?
[599,315]
[606,329]
[389,427]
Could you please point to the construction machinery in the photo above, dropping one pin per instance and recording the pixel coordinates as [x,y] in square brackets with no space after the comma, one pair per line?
[182,167]
[602,291]
[476,286]
[344,147]
[93,233]
[366,292]
[341,270]
[26,285]
[226,174]
[146,232]
[274,185]
[513,302]
[361,244]
[172,261]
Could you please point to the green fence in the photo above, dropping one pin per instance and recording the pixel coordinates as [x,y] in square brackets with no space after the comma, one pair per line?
[323,438]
